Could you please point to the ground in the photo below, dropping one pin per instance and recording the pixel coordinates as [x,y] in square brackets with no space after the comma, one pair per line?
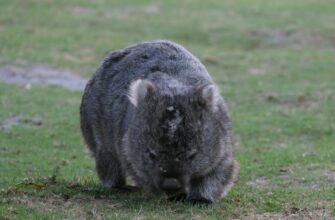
[273,60]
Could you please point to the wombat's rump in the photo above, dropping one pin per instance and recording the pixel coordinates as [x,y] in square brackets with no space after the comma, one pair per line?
[152,112]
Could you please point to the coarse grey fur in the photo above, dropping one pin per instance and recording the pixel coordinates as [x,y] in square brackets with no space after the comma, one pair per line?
[152,112]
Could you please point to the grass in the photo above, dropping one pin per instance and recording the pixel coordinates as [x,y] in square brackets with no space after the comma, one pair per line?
[273,60]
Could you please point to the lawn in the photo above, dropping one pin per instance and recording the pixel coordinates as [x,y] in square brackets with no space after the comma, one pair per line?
[273,60]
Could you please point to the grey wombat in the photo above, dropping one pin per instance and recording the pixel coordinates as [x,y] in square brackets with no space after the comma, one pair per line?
[152,112]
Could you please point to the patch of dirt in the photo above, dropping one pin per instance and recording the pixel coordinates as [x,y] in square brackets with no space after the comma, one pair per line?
[256,71]
[289,178]
[311,101]
[152,8]
[330,174]
[278,37]
[317,178]
[259,182]
[211,60]
[294,38]
[28,75]
[17,120]
[10,122]
[76,207]
[301,39]
[81,10]
[126,12]
[296,214]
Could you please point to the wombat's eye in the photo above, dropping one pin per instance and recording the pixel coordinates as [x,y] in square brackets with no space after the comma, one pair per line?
[192,154]
[152,155]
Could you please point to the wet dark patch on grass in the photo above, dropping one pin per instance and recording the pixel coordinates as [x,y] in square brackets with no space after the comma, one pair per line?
[29,75]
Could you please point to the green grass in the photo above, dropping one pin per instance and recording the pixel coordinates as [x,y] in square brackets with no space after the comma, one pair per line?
[273,60]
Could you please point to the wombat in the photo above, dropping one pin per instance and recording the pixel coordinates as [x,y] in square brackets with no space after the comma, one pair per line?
[152,112]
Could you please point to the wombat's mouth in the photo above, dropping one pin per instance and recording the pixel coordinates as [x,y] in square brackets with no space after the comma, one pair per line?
[171,186]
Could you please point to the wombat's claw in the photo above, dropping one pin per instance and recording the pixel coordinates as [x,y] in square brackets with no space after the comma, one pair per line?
[177,197]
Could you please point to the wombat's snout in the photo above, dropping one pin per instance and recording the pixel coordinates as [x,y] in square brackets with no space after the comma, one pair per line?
[170,184]
[171,181]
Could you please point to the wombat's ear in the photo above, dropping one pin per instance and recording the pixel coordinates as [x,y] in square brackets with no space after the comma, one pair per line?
[210,97]
[139,89]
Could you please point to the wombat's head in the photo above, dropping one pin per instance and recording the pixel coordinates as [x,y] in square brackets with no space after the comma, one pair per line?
[174,137]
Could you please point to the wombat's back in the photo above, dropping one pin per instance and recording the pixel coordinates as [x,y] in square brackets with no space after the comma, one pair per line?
[105,108]
[149,59]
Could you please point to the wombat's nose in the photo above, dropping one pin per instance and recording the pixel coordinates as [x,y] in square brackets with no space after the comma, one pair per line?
[171,185]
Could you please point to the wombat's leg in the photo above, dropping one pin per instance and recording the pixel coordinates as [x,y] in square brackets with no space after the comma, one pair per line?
[213,186]
[109,170]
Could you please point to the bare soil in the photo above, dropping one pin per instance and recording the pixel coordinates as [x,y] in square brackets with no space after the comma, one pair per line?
[37,74]
[259,182]
[322,213]
[19,119]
